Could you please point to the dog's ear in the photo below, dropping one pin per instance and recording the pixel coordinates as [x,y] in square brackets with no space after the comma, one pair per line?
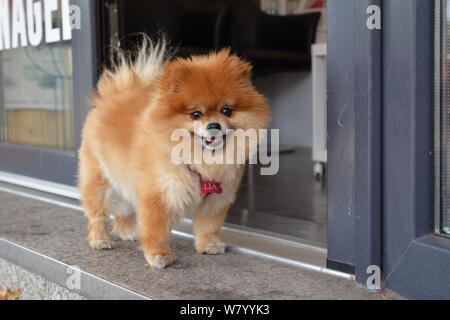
[175,73]
[241,68]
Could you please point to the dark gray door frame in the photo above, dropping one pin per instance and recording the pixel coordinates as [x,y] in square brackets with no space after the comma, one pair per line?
[380,124]
[354,130]
[86,60]
[53,164]
[368,111]
[415,260]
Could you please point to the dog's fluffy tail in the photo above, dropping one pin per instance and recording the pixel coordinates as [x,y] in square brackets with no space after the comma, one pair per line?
[142,68]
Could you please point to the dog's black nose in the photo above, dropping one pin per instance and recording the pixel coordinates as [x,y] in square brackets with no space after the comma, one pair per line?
[214,125]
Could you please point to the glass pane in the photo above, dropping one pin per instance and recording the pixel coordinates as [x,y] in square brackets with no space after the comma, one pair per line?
[442,120]
[286,7]
[36,87]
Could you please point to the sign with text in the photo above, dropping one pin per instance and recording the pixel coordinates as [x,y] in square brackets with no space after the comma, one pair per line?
[29,23]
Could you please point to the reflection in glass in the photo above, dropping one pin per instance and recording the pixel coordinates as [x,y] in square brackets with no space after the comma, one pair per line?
[36,75]
[37,95]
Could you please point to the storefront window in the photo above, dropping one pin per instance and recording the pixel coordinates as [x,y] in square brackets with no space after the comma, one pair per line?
[442,118]
[36,105]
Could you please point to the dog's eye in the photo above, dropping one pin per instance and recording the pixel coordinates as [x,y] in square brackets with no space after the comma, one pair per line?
[226,112]
[196,115]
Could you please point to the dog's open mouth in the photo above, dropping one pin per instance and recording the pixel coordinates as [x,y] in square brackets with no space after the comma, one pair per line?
[211,141]
[214,139]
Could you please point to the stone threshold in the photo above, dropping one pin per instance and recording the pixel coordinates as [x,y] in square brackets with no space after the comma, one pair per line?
[47,238]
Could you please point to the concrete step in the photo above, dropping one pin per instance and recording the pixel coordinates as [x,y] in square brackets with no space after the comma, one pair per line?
[45,234]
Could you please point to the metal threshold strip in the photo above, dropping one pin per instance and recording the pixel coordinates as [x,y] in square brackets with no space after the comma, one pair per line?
[90,285]
[243,240]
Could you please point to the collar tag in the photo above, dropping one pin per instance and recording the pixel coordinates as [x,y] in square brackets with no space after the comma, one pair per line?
[208,187]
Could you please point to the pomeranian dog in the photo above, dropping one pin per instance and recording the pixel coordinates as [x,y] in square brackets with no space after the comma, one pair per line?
[126,169]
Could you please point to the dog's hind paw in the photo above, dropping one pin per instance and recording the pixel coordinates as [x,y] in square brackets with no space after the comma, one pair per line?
[159,261]
[212,248]
[101,244]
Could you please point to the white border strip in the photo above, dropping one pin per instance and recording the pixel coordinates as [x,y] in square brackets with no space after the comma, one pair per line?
[41,185]
[274,238]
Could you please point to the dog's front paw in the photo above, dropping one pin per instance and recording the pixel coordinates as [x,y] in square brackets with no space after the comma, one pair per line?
[101,244]
[159,261]
[211,248]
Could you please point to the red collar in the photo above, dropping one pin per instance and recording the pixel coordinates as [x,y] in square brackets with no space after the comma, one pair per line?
[208,187]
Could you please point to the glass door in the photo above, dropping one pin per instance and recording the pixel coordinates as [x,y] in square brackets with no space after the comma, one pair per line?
[44,46]
[36,99]
[415,256]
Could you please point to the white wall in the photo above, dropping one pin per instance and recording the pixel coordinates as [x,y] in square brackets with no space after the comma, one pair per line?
[290,96]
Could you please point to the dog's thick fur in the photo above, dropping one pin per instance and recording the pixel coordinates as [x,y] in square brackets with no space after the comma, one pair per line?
[125,157]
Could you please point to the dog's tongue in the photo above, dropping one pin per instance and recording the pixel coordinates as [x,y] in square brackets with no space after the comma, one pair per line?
[212,139]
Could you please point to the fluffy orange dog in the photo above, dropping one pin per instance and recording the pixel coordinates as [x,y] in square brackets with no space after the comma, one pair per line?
[125,158]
